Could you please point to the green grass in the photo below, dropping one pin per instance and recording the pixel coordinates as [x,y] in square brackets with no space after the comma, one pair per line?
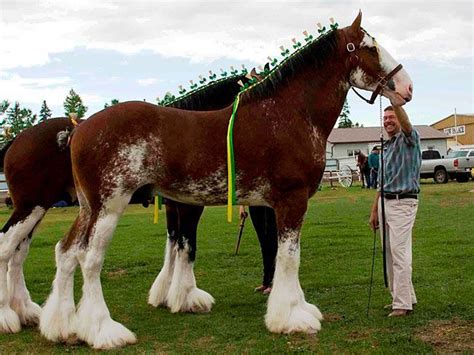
[334,273]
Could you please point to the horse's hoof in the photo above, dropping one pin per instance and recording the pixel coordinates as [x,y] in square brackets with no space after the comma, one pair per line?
[9,320]
[28,311]
[299,319]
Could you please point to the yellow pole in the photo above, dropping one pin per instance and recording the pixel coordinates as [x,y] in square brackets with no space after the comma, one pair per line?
[155,211]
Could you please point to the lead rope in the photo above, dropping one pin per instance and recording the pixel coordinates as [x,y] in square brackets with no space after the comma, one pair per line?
[383,222]
[382,200]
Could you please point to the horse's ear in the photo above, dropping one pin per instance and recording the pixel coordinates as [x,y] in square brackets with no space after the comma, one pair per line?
[355,27]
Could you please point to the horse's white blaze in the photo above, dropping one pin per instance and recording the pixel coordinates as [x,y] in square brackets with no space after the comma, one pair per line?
[287,309]
[159,290]
[94,324]
[403,83]
[9,241]
[183,295]
[20,300]
[58,317]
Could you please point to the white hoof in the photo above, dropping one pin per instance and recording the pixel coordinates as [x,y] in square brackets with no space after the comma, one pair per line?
[9,320]
[196,301]
[296,318]
[311,308]
[57,324]
[108,334]
[28,311]
[159,290]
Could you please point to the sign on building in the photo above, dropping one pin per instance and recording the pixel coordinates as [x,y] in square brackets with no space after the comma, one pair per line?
[455,131]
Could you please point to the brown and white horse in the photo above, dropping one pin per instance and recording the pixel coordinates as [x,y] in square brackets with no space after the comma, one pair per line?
[286,119]
[38,172]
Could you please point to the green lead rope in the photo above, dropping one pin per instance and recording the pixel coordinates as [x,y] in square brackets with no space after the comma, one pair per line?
[231,197]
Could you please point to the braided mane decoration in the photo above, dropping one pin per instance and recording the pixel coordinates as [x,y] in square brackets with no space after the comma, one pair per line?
[276,68]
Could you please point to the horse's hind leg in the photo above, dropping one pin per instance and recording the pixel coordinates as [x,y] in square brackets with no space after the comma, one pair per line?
[15,231]
[183,295]
[158,295]
[20,300]
[94,324]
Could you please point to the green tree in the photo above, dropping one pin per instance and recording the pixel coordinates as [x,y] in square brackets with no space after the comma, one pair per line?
[344,120]
[13,120]
[73,104]
[112,102]
[45,112]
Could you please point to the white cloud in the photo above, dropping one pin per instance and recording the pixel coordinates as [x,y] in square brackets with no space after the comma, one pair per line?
[147,81]
[205,31]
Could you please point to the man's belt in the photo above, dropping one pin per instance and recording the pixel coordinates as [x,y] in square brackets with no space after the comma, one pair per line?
[390,196]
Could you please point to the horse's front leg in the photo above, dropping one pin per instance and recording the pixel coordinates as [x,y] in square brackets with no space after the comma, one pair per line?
[287,310]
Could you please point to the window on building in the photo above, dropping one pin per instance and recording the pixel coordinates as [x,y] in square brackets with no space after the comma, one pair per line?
[352,152]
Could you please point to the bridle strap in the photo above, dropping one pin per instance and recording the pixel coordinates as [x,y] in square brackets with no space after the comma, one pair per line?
[383,81]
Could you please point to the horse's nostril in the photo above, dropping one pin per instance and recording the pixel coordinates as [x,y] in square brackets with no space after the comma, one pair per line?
[410,89]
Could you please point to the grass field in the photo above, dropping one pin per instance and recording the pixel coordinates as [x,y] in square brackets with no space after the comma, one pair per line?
[334,273]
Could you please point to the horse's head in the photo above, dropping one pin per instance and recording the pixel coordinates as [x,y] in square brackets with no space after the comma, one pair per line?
[372,67]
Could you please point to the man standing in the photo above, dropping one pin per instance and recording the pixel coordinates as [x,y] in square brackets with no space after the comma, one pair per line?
[374,166]
[401,183]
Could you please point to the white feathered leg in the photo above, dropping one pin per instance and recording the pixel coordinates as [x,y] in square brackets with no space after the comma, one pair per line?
[58,318]
[9,241]
[20,300]
[158,295]
[94,324]
[183,294]
[288,311]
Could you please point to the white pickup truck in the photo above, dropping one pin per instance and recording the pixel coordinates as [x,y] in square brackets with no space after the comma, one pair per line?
[457,165]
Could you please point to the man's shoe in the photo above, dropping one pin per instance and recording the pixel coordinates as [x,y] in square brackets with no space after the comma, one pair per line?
[267,291]
[399,313]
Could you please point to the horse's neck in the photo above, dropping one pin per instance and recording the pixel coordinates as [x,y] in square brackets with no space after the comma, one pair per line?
[314,95]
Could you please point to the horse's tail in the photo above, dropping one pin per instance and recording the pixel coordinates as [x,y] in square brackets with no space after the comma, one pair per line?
[63,138]
[3,152]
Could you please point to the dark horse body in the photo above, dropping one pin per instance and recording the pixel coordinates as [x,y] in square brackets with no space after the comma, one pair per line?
[286,119]
[38,171]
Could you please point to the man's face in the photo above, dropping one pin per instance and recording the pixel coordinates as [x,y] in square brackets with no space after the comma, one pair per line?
[391,123]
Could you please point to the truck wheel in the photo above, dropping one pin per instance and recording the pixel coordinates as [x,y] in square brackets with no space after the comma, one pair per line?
[462,177]
[441,176]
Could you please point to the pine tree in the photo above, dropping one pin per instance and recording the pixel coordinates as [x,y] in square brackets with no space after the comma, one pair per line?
[344,120]
[14,120]
[73,104]
[112,102]
[45,112]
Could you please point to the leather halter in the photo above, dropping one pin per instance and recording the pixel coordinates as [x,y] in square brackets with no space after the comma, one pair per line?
[382,82]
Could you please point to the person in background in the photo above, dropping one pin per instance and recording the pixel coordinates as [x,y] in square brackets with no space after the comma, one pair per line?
[374,157]
[401,184]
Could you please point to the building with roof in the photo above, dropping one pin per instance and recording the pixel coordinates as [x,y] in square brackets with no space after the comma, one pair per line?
[344,143]
[459,128]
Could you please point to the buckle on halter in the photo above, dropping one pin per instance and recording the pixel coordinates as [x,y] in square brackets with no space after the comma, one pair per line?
[350,47]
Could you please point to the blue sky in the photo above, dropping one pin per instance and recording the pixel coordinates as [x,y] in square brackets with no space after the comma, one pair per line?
[142,49]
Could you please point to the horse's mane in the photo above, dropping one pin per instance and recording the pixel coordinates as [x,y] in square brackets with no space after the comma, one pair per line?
[215,95]
[315,53]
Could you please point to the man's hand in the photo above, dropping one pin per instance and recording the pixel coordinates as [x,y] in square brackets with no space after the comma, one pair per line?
[374,220]
[243,214]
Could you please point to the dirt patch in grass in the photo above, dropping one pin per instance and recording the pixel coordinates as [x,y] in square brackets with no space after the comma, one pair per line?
[448,336]
[332,317]
[116,273]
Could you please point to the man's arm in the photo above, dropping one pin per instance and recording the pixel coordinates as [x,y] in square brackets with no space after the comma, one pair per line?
[403,119]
